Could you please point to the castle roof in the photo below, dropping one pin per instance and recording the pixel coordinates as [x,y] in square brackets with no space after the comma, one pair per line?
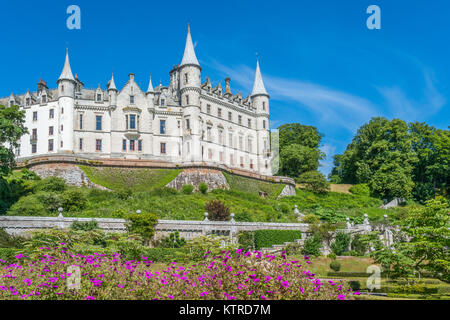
[112,85]
[189,56]
[66,74]
[258,85]
[150,85]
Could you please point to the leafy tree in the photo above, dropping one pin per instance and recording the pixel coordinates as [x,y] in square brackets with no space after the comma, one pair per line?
[360,189]
[312,246]
[314,181]
[299,149]
[381,156]
[12,121]
[74,200]
[341,243]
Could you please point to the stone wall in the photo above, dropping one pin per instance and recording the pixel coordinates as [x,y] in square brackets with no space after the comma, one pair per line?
[288,190]
[213,178]
[71,173]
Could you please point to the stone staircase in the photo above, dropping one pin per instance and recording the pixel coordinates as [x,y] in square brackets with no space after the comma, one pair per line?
[278,248]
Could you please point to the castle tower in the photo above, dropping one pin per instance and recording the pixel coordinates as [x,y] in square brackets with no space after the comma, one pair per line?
[66,89]
[112,93]
[190,88]
[260,101]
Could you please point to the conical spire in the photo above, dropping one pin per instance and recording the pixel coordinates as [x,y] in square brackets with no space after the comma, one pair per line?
[189,53]
[150,85]
[258,86]
[66,74]
[112,85]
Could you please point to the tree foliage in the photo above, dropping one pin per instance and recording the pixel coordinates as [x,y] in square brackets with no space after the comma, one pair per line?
[313,181]
[299,149]
[396,159]
[12,127]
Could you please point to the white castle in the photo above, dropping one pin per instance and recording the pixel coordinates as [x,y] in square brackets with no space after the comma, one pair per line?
[186,122]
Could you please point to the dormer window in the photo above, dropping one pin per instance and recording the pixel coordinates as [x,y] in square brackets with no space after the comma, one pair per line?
[163,102]
[132,99]
[99,97]
[44,98]
[27,101]
[185,78]
[187,99]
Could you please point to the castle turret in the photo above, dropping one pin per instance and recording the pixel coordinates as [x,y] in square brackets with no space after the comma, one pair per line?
[112,93]
[190,88]
[260,101]
[150,94]
[66,89]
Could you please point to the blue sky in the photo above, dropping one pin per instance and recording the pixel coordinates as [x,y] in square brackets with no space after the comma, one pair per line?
[321,65]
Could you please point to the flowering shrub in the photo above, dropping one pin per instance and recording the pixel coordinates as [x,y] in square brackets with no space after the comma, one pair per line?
[231,275]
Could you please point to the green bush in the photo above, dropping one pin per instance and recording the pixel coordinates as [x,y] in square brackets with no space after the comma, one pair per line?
[84,225]
[312,246]
[360,189]
[143,224]
[52,201]
[311,219]
[74,200]
[51,184]
[332,256]
[355,285]
[267,238]
[187,188]
[28,206]
[164,255]
[351,253]
[246,240]
[335,266]
[203,188]
[243,216]
[341,243]
[164,192]
[313,181]
[173,240]
[124,193]
[9,254]
[10,241]
[358,245]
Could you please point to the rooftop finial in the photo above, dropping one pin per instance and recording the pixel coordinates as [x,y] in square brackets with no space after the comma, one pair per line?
[150,85]
[112,85]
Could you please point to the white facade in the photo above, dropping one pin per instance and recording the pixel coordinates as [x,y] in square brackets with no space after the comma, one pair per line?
[187,121]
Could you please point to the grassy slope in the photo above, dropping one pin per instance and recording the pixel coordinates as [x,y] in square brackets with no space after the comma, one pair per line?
[253,186]
[134,179]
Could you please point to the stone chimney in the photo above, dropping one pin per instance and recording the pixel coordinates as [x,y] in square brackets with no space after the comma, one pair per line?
[227,87]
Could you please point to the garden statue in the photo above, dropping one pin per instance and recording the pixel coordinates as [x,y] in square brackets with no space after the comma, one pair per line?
[349,225]
[298,213]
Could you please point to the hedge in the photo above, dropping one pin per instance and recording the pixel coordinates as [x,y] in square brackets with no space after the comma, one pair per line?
[267,238]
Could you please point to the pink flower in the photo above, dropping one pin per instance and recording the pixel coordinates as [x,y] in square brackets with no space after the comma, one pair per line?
[204,293]
[341,297]
[285,284]
[302,291]
[89,298]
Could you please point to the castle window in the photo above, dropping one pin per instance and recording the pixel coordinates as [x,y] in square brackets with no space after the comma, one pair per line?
[62,110]
[51,113]
[33,148]
[230,140]
[131,145]
[251,163]
[50,130]
[62,143]
[231,160]
[208,134]
[221,156]
[98,145]
[139,145]
[264,105]
[35,115]
[240,143]
[132,121]
[98,122]
[81,144]
[44,98]
[210,154]
[18,151]
[230,116]
[188,125]
[132,99]
[62,89]
[99,97]
[249,123]
[124,145]
[239,119]
[264,124]
[163,102]
[162,126]
[81,121]
[266,165]
[163,148]
[242,162]
[185,78]
[220,136]
[208,108]
[219,112]
[62,128]
[250,147]
[28,101]
[34,134]
[50,145]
